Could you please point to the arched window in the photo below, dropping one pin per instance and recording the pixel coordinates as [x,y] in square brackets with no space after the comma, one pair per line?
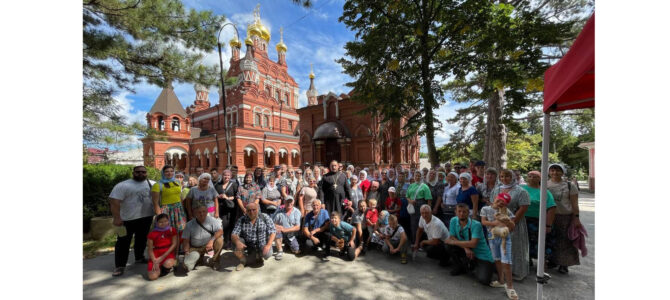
[257,119]
[161,123]
[285,100]
[266,121]
[175,124]
[290,125]
[277,95]
[267,91]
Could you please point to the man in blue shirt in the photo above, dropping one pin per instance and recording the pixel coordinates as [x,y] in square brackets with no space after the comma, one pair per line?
[316,229]
[467,247]
[287,224]
[343,236]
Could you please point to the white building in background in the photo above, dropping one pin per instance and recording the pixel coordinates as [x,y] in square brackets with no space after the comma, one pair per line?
[132,157]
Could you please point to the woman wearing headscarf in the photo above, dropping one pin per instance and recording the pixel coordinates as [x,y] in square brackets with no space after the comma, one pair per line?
[227,190]
[518,206]
[567,215]
[418,194]
[166,196]
[246,193]
[448,203]
[317,174]
[203,195]
[355,192]
[259,178]
[468,194]
[364,183]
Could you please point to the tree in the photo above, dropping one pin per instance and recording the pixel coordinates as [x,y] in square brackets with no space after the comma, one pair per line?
[129,41]
[510,53]
[403,49]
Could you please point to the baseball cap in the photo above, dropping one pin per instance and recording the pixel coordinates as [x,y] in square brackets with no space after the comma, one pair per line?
[505,197]
[391,190]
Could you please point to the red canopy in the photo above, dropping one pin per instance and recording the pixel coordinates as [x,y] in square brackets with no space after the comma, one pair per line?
[570,83]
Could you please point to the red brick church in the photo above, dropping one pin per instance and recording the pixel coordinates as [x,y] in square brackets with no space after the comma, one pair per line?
[330,129]
[260,115]
[265,125]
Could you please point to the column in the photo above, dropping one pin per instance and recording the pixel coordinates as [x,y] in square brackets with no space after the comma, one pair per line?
[318,156]
[343,150]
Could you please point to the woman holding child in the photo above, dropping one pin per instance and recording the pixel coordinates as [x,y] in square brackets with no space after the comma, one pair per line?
[518,206]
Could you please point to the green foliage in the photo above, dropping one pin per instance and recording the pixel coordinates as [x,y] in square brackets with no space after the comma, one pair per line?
[99,180]
[93,248]
[129,41]
[401,51]
[423,155]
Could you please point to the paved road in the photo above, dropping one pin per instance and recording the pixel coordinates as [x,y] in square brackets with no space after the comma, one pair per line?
[373,276]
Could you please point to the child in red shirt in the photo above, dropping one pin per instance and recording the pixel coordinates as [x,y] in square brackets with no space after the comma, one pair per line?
[393,203]
[161,243]
[371,218]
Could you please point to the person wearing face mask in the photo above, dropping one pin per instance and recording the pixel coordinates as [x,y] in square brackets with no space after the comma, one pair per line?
[518,206]
[131,206]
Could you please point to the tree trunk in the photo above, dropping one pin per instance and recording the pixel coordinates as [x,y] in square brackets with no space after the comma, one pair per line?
[495,150]
[430,135]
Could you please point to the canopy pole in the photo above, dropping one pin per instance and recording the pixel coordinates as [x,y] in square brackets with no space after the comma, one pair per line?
[546,139]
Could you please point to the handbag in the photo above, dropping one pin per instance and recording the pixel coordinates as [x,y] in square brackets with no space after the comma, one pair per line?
[410,207]
[228,203]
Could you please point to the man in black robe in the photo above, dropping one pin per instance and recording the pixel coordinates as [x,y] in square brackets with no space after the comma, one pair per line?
[333,188]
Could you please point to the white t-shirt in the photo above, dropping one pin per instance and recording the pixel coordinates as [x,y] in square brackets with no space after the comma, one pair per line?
[387,230]
[135,198]
[435,229]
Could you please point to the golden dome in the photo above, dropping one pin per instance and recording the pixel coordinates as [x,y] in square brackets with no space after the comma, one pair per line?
[256,28]
[311,71]
[281,47]
[234,42]
[248,41]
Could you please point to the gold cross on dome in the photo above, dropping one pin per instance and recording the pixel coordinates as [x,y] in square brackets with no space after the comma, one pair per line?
[257,12]
[281,34]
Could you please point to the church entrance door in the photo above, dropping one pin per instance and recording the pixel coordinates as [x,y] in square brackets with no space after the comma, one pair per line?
[332,151]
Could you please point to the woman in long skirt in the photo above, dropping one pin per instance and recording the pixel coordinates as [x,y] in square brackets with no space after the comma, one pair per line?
[567,214]
[518,206]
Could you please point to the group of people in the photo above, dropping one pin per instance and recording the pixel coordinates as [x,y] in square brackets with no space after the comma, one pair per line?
[474,218]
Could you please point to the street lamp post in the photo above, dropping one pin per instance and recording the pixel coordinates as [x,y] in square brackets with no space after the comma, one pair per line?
[223,92]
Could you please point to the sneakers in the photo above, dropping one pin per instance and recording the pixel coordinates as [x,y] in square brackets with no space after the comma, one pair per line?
[279,255]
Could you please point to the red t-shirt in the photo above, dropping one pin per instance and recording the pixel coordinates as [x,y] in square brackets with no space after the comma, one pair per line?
[371,215]
[393,204]
[476,179]
[162,239]
[364,185]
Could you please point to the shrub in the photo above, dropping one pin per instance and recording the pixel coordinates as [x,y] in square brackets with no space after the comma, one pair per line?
[99,180]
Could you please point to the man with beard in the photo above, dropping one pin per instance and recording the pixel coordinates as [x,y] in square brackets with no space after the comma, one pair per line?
[132,208]
[467,248]
[333,188]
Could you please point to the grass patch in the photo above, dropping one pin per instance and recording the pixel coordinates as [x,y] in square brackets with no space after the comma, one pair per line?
[93,248]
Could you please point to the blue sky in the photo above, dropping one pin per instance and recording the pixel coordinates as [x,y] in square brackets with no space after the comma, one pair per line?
[312,36]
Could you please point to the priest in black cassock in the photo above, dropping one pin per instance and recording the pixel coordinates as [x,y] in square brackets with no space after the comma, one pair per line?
[333,188]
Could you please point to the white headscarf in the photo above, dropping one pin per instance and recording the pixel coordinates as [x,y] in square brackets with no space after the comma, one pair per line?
[467,176]
[365,175]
